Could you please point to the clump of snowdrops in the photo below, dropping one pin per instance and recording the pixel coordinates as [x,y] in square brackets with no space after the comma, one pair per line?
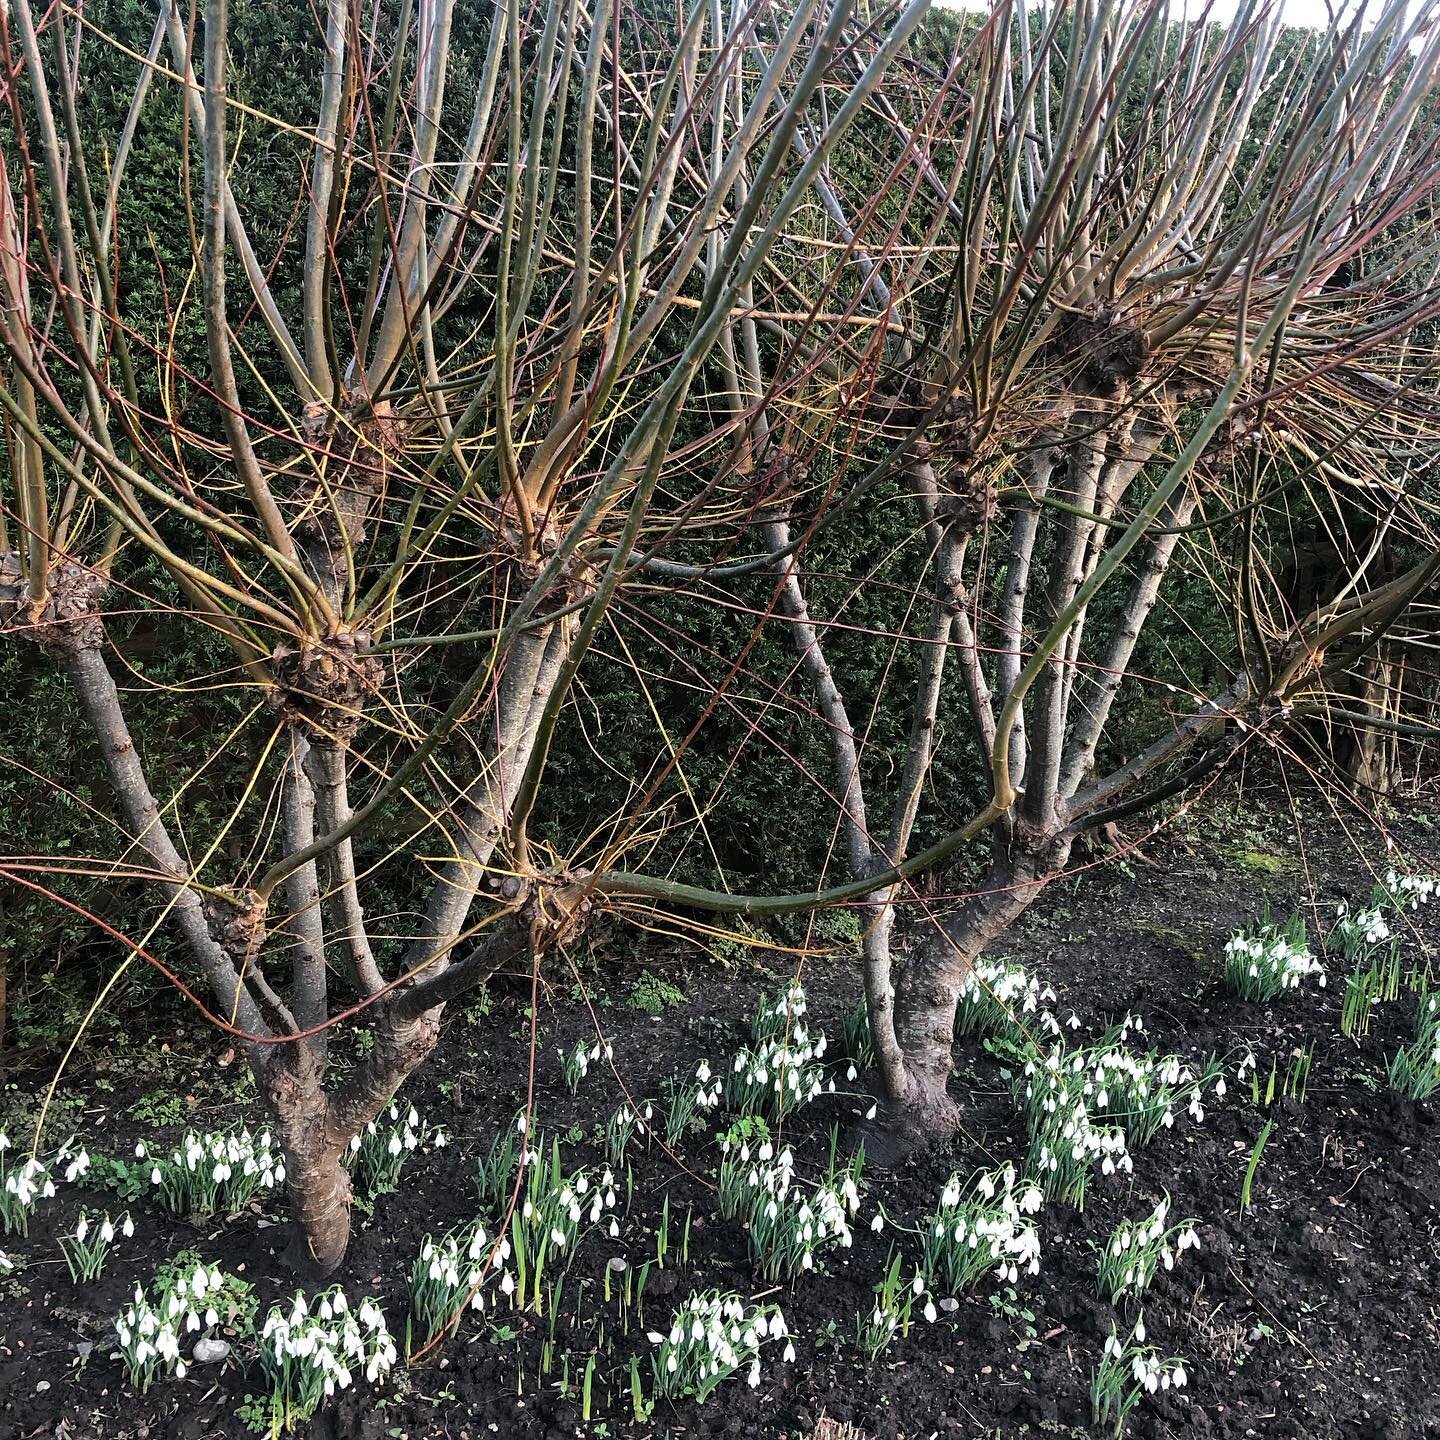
[857,1037]
[1089,1105]
[780,1070]
[790,1225]
[1274,959]
[378,1154]
[625,1125]
[1053,1090]
[889,1314]
[1129,1370]
[714,1336]
[185,1305]
[1367,938]
[546,1228]
[995,997]
[495,1174]
[1138,1249]
[87,1247]
[1144,1092]
[449,1274]
[982,1226]
[1357,932]
[1410,892]
[1414,1069]
[319,1345]
[689,1099]
[575,1063]
[22,1187]
[219,1171]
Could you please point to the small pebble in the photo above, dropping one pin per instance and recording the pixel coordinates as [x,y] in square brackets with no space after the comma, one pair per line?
[210,1352]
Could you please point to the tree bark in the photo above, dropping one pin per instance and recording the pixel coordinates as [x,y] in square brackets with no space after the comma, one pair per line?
[315,1129]
[96,688]
[315,1176]
[925,1112]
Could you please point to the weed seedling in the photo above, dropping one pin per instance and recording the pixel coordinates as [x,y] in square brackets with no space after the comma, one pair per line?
[1253,1167]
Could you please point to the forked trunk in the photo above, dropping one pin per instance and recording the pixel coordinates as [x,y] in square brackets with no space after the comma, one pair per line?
[924,1112]
[315,1130]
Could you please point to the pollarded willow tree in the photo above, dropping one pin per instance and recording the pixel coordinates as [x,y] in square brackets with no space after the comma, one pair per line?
[1165,294]
[573,305]
[426,438]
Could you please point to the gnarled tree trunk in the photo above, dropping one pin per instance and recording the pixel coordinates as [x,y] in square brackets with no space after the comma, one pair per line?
[923,1110]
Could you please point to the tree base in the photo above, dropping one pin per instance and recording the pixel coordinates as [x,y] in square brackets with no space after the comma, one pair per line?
[317,1256]
[907,1127]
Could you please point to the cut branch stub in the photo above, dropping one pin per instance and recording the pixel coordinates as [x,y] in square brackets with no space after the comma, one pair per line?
[356,441]
[558,908]
[528,555]
[782,476]
[952,430]
[237,922]
[968,500]
[894,404]
[67,620]
[555,905]
[323,684]
[1103,351]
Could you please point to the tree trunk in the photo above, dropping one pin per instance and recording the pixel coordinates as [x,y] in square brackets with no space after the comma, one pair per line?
[924,1112]
[315,1174]
[315,1130]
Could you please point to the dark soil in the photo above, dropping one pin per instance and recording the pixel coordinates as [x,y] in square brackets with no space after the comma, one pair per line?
[1316,1314]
